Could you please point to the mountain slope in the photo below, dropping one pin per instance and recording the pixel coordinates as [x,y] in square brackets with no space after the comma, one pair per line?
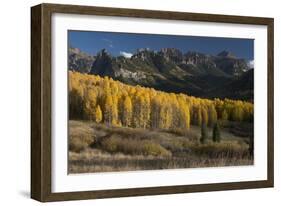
[171,70]
[79,61]
[241,88]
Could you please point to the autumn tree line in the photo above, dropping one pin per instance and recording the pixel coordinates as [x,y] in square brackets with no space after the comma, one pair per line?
[105,100]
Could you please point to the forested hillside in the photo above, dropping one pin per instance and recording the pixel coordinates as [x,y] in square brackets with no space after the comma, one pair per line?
[172,70]
[104,100]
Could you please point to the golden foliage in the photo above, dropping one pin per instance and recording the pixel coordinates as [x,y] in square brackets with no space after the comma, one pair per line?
[98,114]
[114,103]
[127,111]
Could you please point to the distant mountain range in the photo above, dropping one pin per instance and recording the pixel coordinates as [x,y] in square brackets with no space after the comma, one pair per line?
[197,74]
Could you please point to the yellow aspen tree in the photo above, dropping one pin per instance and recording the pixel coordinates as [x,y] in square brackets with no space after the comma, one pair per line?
[90,103]
[108,109]
[169,117]
[98,114]
[204,114]
[141,110]
[115,121]
[76,98]
[114,87]
[145,109]
[212,115]
[149,106]
[155,111]
[106,86]
[224,115]
[197,115]
[165,116]
[237,113]
[141,118]
[248,113]
[219,107]
[174,112]
[162,117]
[127,111]
[76,108]
[137,118]
[184,115]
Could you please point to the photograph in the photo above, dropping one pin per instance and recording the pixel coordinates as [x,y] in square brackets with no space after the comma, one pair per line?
[134,102]
[139,101]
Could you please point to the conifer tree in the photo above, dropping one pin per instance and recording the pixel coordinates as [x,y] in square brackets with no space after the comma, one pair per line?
[203,138]
[216,133]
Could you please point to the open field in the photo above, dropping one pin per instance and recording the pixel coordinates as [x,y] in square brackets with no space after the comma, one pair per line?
[100,148]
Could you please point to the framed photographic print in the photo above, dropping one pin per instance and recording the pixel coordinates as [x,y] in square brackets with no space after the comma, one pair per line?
[132,102]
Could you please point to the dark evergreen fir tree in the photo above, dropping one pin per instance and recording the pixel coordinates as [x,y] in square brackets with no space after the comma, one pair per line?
[216,133]
[203,138]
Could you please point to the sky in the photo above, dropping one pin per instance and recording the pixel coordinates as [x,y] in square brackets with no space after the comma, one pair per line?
[126,44]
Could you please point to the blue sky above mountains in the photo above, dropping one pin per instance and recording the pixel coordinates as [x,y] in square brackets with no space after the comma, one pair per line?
[126,44]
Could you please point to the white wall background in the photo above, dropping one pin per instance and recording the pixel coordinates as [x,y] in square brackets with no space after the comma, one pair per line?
[15,102]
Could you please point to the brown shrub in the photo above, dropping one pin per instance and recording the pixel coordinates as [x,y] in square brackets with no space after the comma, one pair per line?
[80,137]
[150,148]
[115,144]
[191,135]
[76,145]
[221,150]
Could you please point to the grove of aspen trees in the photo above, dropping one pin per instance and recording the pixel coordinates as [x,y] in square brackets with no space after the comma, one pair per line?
[104,100]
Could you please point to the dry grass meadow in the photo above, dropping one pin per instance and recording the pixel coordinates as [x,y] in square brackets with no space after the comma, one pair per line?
[100,148]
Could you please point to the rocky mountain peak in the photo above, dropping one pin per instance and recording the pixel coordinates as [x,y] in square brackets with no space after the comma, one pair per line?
[172,54]
[167,69]
[226,54]
[193,57]
[103,53]
[79,60]
[143,54]
[103,65]
[74,50]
